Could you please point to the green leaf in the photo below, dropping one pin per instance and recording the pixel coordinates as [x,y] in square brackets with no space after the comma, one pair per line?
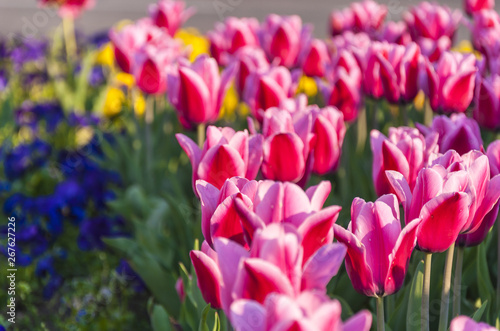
[479,312]
[415,302]
[203,321]
[217,322]
[160,320]
[486,289]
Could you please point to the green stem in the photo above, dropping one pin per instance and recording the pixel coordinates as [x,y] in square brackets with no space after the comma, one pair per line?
[201,134]
[149,118]
[425,293]
[362,130]
[445,294]
[404,110]
[457,291]
[427,113]
[69,39]
[375,115]
[380,314]
[390,306]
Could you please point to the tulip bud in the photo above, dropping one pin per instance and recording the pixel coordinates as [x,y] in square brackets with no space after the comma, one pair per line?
[487,105]
[170,14]
[473,6]
[208,275]
[315,59]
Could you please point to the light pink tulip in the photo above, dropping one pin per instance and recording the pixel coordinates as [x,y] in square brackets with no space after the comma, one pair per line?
[208,275]
[431,20]
[405,151]
[457,133]
[225,154]
[465,323]
[487,102]
[473,6]
[378,251]
[249,60]
[170,14]
[395,33]
[341,21]
[232,35]
[69,8]
[365,16]
[197,90]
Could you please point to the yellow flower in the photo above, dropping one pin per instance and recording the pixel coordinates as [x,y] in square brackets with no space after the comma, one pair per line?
[308,86]
[84,136]
[194,40]
[229,104]
[114,102]
[419,100]
[466,47]
[125,79]
[106,55]
[139,104]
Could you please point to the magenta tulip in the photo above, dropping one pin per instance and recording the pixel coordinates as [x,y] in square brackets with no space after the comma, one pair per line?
[473,6]
[365,16]
[282,37]
[465,323]
[197,90]
[493,153]
[170,14]
[264,90]
[457,133]
[310,311]
[225,154]
[315,58]
[179,288]
[208,274]
[341,21]
[378,251]
[485,28]
[477,237]
[431,20]
[69,8]
[395,33]
[450,82]
[232,35]
[405,151]
[487,102]
[249,60]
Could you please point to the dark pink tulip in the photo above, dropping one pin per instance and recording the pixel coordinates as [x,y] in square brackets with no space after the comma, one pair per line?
[282,38]
[179,287]
[310,311]
[457,133]
[433,49]
[392,71]
[450,82]
[477,237]
[431,20]
[225,154]
[341,21]
[264,90]
[315,58]
[232,35]
[249,60]
[487,102]
[405,150]
[69,8]
[197,90]
[287,146]
[493,153]
[395,33]
[473,6]
[170,14]
[485,28]
[365,16]
[208,275]
[465,323]
[378,251]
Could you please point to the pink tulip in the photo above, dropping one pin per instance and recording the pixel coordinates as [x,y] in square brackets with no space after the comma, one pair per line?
[366,16]
[232,35]
[250,60]
[493,153]
[431,20]
[225,154]
[69,8]
[208,274]
[197,90]
[264,90]
[464,323]
[282,38]
[170,14]
[405,151]
[179,288]
[487,102]
[315,58]
[433,49]
[392,71]
[310,311]
[473,6]
[378,251]
[450,82]
[485,28]
[457,133]
[477,237]
[287,146]
[341,21]
[395,33]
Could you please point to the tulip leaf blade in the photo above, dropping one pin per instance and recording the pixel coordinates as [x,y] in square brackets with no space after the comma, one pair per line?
[203,321]
[479,312]
[415,301]
[160,319]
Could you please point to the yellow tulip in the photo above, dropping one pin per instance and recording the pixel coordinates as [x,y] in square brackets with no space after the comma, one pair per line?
[114,102]
[308,86]
[125,79]
[106,55]
[193,39]
[139,104]
[229,104]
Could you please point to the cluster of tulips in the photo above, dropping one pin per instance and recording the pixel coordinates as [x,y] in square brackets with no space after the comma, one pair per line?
[268,253]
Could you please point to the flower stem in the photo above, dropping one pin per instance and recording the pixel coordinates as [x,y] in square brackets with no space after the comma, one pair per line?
[148,118]
[458,281]
[362,130]
[427,113]
[69,38]
[445,295]
[380,314]
[425,293]
[201,134]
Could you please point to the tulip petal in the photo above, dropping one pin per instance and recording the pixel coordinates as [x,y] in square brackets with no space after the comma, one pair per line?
[283,158]
[248,315]
[209,197]
[458,91]
[219,164]
[322,266]
[208,277]
[362,321]
[193,152]
[487,204]
[402,190]
[318,194]
[194,96]
[254,156]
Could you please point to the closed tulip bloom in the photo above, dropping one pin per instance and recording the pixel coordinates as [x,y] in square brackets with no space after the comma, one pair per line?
[315,58]
[395,33]
[449,83]
[493,153]
[249,60]
[69,8]
[341,21]
[378,250]
[487,102]
[431,20]
[282,38]
[473,6]
[405,150]
[170,14]
[310,311]
[433,49]
[266,89]
[232,35]
[477,237]
[287,146]
[457,132]
[197,89]
[208,274]
[225,154]
[465,323]
[365,16]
